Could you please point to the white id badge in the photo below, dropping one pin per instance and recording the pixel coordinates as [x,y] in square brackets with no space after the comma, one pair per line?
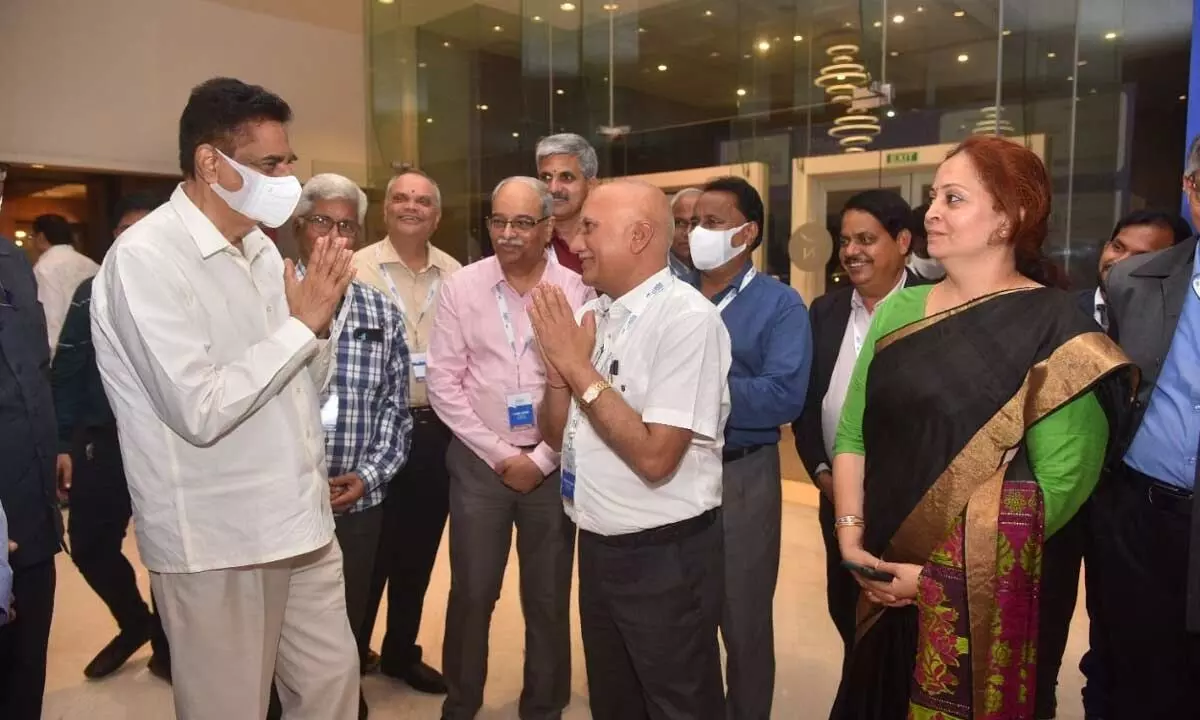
[418,365]
[329,413]
[567,476]
[520,411]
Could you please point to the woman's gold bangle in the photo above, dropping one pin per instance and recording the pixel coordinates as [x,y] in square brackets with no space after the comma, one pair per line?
[849,521]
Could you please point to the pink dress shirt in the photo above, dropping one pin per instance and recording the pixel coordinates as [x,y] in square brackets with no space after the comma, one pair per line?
[471,367]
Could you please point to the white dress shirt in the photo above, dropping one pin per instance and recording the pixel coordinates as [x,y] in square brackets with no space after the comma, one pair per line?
[1100,309]
[59,272]
[220,431]
[839,381]
[673,369]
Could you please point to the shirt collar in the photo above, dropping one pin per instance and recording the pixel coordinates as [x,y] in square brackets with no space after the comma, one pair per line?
[386,255]
[209,241]
[636,300]
[856,298]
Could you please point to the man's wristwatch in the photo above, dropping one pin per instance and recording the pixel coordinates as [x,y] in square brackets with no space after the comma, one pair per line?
[593,391]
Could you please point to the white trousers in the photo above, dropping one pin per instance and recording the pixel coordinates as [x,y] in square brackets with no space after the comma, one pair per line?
[233,631]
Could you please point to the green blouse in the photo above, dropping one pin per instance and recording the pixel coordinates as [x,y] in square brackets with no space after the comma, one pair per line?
[1066,448]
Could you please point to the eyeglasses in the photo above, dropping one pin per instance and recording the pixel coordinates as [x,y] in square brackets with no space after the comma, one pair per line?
[520,224]
[324,223]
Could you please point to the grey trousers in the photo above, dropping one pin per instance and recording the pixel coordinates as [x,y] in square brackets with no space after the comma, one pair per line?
[752,505]
[358,534]
[482,514]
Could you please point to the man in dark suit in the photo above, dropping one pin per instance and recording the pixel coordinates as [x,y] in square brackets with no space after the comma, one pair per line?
[1138,233]
[28,446]
[1145,532]
[875,237]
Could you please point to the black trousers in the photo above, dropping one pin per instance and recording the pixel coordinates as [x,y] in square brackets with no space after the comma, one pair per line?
[841,591]
[1061,560]
[414,517]
[23,643]
[1141,540]
[649,604]
[99,517]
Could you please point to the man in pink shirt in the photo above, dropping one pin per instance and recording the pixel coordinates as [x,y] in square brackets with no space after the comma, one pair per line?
[485,378]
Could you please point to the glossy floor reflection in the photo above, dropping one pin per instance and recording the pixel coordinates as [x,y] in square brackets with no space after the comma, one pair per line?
[808,649]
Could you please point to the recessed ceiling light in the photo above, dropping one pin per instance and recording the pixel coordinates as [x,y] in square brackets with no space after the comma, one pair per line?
[483,107]
[898,19]
[891,113]
[517,134]
[567,7]
[747,56]
[1006,33]
[1183,97]
[714,53]
[1081,63]
[960,13]
[429,121]
[422,65]
[38,166]
[1110,36]
[920,8]
[641,29]
[386,2]
[764,45]
[446,44]
[741,92]
[797,38]
[1051,55]
[560,91]
[497,28]
[22,234]
[877,23]
[662,68]
[611,7]
[847,24]
[894,53]
[1070,78]
[537,18]
[708,13]
[964,57]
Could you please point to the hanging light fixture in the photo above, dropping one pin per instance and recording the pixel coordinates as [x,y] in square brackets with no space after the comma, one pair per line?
[992,123]
[854,129]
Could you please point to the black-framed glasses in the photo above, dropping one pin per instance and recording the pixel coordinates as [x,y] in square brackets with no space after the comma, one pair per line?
[521,223]
[324,223]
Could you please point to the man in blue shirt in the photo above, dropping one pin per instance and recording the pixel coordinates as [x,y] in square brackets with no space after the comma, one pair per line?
[772,353]
[1145,530]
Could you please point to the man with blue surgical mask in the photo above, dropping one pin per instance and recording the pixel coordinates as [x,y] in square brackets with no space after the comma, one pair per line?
[213,351]
[772,351]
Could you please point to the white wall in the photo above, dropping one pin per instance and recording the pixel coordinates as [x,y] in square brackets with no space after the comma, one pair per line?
[100,84]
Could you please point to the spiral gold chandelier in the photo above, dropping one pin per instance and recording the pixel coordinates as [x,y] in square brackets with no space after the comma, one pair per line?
[854,129]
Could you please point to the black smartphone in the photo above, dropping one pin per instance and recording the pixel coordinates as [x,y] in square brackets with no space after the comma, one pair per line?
[869,573]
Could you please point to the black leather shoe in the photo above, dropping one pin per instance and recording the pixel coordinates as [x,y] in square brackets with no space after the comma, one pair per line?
[160,667]
[419,677]
[114,654]
[369,664]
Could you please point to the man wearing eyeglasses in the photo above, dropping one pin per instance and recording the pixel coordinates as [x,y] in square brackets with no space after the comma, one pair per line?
[364,399]
[680,257]
[485,378]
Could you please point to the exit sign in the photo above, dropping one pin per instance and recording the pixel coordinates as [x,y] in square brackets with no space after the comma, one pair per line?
[901,158]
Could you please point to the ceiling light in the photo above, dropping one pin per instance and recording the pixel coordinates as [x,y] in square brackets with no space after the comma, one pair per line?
[1051,55]
[641,29]
[960,13]
[422,65]
[429,121]
[747,56]
[517,134]
[560,91]
[1181,97]
[19,243]
[497,28]
[714,53]
[386,2]
[764,45]
[1110,36]
[22,234]
[567,7]
[662,68]
[1081,63]
[446,44]
[537,18]
[611,7]
[848,25]
[891,113]
[1006,33]
[894,53]
[797,38]
[741,92]
[1070,78]
[920,8]
[898,19]
[708,13]
[483,107]
[877,23]
[841,77]
[964,57]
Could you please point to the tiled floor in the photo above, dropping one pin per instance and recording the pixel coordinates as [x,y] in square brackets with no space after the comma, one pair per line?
[807,648]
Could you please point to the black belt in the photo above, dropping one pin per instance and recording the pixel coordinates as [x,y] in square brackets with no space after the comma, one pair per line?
[739,453]
[663,535]
[423,414]
[1161,495]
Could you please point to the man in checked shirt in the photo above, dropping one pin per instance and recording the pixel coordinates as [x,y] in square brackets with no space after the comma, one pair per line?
[364,406]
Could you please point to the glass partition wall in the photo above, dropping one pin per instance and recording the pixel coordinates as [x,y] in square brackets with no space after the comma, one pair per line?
[465,88]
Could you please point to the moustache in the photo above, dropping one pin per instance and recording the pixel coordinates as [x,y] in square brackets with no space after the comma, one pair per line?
[856,258]
[560,196]
[505,242]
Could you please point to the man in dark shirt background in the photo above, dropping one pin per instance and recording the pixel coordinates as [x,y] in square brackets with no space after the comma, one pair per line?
[27,485]
[99,495]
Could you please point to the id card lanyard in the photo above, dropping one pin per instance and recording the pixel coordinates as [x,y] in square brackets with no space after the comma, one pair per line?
[429,296]
[510,330]
[733,293]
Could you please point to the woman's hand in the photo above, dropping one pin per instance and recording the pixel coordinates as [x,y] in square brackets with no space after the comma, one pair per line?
[898,592]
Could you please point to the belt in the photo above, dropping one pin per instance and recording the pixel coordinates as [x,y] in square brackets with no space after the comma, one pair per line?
[423,414]
[1161,495]
[739,453]
[662,535]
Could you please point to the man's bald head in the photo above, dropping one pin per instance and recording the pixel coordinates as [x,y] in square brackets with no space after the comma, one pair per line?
[625,232]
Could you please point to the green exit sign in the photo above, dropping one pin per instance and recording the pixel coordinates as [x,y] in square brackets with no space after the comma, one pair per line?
[901,158]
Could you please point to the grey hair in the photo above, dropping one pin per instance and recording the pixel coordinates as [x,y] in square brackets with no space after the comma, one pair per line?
[541,188]
[684,193]
[328,186]
[1193,157]
[437,191]
[575,146]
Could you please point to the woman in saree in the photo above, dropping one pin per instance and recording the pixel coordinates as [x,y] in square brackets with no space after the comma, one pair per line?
[976,425]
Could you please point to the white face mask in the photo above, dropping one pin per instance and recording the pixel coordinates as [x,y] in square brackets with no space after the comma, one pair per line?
[265,199]
[927,268]
[713,248]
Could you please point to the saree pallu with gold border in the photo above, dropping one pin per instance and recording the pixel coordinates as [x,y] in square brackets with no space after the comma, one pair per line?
[948,486]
